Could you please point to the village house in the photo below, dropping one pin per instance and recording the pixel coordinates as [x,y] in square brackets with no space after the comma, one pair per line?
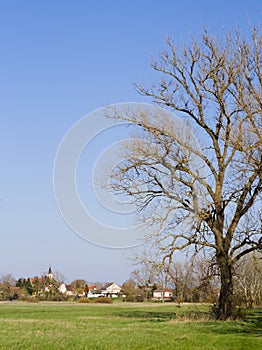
[162,294]
[92,291]
[67,289]
[111,290]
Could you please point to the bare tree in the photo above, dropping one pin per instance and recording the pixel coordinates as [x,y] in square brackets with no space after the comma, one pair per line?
[129,290]
[248,280]
[199,186]
[192,280]
[80,286]
[6,282]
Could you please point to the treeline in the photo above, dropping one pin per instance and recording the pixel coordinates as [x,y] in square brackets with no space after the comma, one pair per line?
[29,289]
[198,280]
[38,288]
[192,281]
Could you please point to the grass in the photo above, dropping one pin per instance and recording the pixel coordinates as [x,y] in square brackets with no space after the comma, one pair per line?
[123,326]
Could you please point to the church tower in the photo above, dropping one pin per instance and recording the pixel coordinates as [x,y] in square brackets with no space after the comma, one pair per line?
[50,273]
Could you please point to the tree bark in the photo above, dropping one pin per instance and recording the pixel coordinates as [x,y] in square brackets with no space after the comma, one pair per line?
[225,304]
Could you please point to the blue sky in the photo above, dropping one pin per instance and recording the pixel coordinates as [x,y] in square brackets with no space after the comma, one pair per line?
[59,61]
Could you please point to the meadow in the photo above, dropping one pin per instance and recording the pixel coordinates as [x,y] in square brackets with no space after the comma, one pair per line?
[50,325]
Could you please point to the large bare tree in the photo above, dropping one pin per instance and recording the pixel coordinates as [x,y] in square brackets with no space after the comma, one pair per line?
[199,185]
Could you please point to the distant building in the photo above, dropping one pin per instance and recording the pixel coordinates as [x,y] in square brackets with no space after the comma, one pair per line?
[111,290]
[162,294]
[92,291]
[67,289]
[50,274]
[42,284]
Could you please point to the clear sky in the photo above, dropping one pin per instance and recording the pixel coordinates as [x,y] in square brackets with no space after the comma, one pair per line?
[59,61]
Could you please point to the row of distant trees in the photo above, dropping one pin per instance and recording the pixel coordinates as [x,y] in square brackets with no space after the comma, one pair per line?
[23,289]
[38,288]
[197,280]
[191,281]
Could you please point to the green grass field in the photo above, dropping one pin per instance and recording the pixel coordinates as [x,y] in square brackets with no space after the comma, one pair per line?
[123,326]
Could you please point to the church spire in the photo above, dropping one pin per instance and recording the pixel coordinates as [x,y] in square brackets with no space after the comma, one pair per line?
[50,273]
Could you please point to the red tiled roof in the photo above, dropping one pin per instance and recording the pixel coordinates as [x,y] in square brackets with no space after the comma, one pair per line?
[34,279]
[92,286]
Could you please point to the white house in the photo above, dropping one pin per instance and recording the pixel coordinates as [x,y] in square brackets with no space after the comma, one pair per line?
[162,294]
[111,290]
[67,289]
[93,292]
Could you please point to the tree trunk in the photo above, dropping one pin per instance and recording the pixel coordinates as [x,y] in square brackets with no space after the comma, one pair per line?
[225,305]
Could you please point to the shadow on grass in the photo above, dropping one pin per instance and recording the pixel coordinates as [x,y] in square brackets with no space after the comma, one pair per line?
[254,318]
[150,315]
[252,324]
[162,316]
